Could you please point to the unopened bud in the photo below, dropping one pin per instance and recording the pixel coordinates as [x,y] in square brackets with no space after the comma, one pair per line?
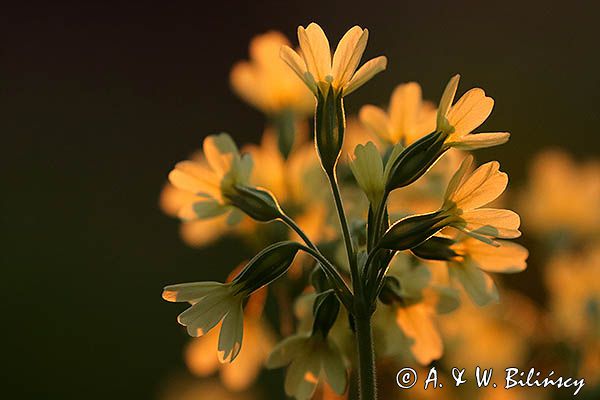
[266,266]
[257,203]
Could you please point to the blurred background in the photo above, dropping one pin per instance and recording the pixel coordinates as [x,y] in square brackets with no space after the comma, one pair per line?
[98,102]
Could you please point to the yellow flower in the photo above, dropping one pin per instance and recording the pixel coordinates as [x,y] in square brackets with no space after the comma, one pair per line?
[467,193]
[573,280]
[317,69]
[266,82]
[562,195]
[367,167]
[310,358]
[459,120]
[413,309]
[212,182]
[212,302]
[197,232]
[474,258]
[408,117]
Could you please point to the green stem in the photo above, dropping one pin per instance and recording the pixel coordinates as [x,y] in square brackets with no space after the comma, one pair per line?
[366,357]
[338,283]
[339,205]
[362,309]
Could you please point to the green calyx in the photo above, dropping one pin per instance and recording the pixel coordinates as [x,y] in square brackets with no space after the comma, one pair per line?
[325,311]
[266,266]
[330,123]
[411,231]
[414,161]
[257,203]
[435,248]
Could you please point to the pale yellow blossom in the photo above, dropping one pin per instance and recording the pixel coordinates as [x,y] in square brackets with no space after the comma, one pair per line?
[408,117]
[267,82]
[315,66]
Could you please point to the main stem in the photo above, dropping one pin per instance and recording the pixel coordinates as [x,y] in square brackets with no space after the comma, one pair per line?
[366,359]
[362,312]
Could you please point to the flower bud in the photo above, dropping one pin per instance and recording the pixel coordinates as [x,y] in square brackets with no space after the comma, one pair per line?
[325,311]
[259,204]
[330,123]
[415,160]
[266,266]
[412,231]
[435,248]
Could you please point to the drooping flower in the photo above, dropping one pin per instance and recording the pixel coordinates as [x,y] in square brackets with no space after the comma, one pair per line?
[214,302]
[258,342]
[314,65]
[408,118]
[267,83]
[459,120]
[214,180]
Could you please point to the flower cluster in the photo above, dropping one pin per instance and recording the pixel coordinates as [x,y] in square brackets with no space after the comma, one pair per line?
[404,228]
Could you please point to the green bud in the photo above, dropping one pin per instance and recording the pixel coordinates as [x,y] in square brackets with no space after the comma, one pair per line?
[330,123]
[435,248]
[415,160]
[412,231]
[259,204]
[325,311]
[266,266]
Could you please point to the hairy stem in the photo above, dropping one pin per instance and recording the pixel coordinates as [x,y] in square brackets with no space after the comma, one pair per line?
[366,356]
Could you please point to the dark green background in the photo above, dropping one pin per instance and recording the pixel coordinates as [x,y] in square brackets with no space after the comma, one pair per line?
[98,101]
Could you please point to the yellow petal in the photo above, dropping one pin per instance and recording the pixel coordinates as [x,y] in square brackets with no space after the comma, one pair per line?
[478,285]
[365,73]
[416,321]
[347,55]
[459,177]
[298,65]
[446,102]
[232,330]
[404,111]
[507,258]
[503,224]
[315,50]
[470,111]
[376,120]
[478,141]
[195,178]
[220,151]
[481,187]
